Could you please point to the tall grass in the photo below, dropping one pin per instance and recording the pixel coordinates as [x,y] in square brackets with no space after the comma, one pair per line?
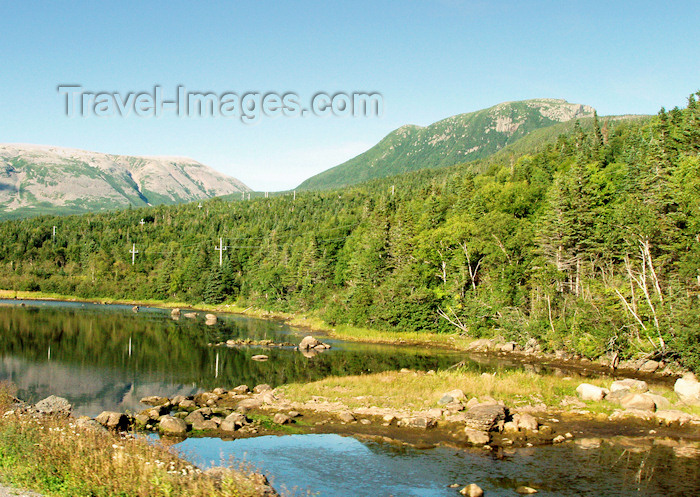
[57,458]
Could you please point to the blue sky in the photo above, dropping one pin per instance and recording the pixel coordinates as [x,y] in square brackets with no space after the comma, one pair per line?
[428,58]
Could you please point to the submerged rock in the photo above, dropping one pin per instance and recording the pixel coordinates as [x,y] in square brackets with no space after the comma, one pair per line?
[525,490]
[477,437]
[472,490]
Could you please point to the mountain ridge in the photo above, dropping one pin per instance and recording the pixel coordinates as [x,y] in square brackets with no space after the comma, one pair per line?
[47,179]
[455,139]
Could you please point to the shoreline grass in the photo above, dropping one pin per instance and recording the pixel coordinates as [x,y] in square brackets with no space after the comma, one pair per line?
[56,457]
[418,391]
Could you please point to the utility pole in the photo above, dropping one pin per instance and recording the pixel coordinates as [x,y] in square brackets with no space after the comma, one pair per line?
[200,205]
[392,190]
[248,195]
[242,195]
[265,194]
[133,253]
[53,235]
[142,222]
[295,195]
[221,249]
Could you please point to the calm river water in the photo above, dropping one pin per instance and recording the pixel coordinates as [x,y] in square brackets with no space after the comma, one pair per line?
[104,357]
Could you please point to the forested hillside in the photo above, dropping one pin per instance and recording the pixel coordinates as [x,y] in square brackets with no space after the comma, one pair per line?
[590,243]
[457,139]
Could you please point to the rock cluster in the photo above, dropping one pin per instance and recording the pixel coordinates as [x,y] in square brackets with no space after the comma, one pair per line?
[637,401]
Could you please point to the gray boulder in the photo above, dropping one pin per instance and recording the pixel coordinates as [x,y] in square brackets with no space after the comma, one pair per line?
[688,389]
[629,384]
[472,490]
[113,420]
[281,419]
[308,342]
[233,422]
[486,417]
[346,417]
[170,425]
[638,401]
[477,437]
[586,391]
[54,406]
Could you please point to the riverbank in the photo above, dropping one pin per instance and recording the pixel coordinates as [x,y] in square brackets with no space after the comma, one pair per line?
[455,408]
[44,449]
[531,353]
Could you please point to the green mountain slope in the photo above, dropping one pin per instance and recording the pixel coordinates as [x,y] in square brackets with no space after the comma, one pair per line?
[454,140]
[38,180]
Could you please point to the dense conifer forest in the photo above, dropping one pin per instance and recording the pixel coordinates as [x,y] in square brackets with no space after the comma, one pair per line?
[589,242]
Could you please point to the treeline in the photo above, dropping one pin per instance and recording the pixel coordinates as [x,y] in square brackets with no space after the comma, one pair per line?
[591,243]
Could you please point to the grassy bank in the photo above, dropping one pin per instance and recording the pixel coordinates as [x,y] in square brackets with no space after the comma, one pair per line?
[57,458]
[419,391]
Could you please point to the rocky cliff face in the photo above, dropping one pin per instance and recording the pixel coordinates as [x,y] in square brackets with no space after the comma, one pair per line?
[36,179]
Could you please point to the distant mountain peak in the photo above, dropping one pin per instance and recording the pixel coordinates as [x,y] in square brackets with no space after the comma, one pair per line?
[38,179]
[450,141]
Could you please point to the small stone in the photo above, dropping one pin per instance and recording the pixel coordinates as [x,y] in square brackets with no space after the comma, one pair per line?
[113,420]
[524,490]
[671,416]
[630,384]
[282,419]
[241,389]
[559,439]
[170,425]
[649,366]
[53,405]
[526,422]
[638,401]
[154,400]
[486,417]
[308,342]
[472,490]
[233,421]
[476,437]
[688,389]
[586,391]
[365,421]
[293,414]
[264,387]
[346,417]
[421,422]
[205,425]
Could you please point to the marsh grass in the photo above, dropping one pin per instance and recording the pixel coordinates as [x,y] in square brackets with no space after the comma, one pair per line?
[418,390]
[57,458]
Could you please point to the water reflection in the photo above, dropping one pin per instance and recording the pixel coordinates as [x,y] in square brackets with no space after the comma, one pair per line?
[336,466]
[108,357]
